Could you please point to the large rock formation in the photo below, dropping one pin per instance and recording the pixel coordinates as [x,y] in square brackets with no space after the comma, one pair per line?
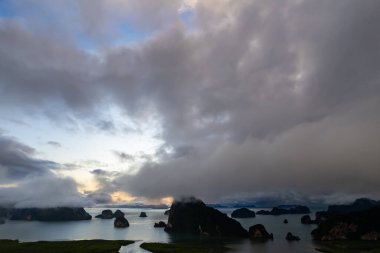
[191,215]
[143,215]
[320,216]
[118,213]
[121,222]
[361,225]
[106,214]
[291,210]
[243,213]
[286,221]
[258,232]
[50,214]
[160,224]
[291,237]
[307,220]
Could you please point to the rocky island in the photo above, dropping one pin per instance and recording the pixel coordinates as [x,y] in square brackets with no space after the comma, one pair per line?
[49,214]
[297,209]
[191,215]
[108,214]
[143,215]
[290,237]
[160,224]
[306,219]
[243,213]
[121,222]
[258,232]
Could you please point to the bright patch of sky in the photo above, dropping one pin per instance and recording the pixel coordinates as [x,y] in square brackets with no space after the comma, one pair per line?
[130,35]
[83,142]
[187,15]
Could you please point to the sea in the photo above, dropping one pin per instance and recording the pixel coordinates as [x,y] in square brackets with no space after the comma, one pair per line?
[142,230]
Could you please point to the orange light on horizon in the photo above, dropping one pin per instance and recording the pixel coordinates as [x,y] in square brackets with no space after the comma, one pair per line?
[167,200]
[122,197]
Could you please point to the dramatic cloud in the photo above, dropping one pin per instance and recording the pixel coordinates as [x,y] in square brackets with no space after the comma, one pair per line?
[29,182]
[253,97]
[48,191]
[17,162]
[275,99]
[301,158]
[38,74]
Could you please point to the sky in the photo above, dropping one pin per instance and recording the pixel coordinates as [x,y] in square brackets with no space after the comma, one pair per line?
[125,101]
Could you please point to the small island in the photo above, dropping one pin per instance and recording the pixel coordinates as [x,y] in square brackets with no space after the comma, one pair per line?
[297,209]
[48,214]
[242,213]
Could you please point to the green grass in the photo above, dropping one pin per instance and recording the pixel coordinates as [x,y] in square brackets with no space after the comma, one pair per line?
[176,248]
[350,247]
[85,246]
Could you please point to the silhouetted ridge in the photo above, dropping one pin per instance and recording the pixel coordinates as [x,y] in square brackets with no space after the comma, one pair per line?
[357,221]
[298,209]
[50,214]
[358,205]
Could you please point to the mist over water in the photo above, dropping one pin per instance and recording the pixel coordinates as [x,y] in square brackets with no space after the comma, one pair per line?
[141,229]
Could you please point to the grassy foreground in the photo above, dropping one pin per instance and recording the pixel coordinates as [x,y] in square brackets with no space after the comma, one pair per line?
[85,246]
[350,247]
[178,248]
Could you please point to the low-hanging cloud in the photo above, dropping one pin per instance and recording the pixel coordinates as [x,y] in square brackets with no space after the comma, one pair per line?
[43,192]
[26,181]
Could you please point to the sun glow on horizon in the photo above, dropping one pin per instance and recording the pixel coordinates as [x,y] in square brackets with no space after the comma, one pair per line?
[121,196]
[167,200]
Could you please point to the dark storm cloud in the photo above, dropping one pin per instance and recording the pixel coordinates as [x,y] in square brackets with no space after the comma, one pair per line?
[283,96]
[336,154]
[261,96]
[17,161]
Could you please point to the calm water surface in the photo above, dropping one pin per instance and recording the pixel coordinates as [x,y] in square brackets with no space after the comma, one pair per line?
[141,229]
